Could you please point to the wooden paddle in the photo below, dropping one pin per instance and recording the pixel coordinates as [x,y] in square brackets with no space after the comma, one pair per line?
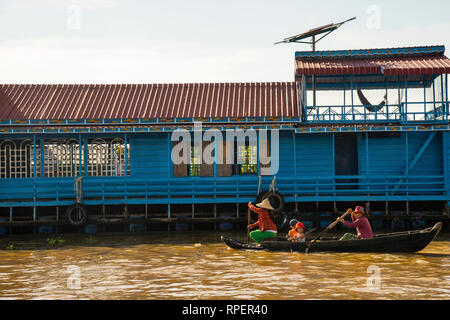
[249,212]
[248,223]
[331,226]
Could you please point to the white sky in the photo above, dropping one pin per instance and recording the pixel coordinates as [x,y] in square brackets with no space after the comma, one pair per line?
[137,41]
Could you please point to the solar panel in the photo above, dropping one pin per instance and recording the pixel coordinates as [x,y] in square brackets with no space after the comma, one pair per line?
[327,29]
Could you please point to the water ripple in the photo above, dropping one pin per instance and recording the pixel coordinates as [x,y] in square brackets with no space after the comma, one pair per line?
[148,268]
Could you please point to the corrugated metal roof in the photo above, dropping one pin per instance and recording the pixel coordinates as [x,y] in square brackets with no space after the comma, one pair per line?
[28,102]
[388,66]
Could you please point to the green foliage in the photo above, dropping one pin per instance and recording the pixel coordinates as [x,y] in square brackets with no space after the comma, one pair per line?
[91,238]
[55,241]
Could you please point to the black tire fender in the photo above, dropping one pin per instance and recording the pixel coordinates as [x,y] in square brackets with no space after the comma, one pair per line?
[282,220]
[76,215]
[276,200]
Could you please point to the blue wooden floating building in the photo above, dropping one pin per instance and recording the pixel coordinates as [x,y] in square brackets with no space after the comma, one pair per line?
[364,127]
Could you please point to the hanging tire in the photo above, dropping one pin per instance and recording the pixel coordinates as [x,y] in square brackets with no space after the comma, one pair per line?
[275,199]
[282,220]
[260,197]
[76,215]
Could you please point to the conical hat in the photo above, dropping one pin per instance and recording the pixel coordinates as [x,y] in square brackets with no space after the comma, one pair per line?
[265,204]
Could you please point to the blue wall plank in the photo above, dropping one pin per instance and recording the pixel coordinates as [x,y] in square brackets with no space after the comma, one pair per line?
[314,156]
[149,155]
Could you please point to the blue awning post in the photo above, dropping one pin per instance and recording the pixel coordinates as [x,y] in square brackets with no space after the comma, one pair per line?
[405,105]
[306,98]
[446,97]
[442,96]
[86,157]
[399,96]
[424,94]
[351,90]
[345,86]
[434,98]
[387,103]
[80,159]
[126,155]
[34,157]
[42,141]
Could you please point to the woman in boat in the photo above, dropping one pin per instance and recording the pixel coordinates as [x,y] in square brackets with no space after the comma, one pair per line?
[267,228]
[360,222]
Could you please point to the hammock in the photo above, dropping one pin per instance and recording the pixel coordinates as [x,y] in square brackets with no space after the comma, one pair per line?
[368,105]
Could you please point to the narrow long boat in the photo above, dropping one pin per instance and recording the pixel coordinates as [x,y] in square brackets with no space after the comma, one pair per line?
[408,241]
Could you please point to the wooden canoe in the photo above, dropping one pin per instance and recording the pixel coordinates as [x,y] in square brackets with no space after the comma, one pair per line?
[409,241]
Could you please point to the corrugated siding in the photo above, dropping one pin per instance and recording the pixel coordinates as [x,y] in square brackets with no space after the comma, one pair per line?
[29,102]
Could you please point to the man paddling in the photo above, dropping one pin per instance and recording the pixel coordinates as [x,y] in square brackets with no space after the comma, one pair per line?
[360,222]
[267,229]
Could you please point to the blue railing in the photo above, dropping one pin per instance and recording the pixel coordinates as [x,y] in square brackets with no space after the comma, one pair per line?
[402,113]
[120,190]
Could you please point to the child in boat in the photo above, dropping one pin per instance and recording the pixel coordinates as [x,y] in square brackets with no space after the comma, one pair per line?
[299,236]
[267,228]
[360,222]
[292,232]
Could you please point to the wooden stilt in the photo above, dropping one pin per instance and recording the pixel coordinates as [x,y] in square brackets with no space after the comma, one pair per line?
[237,215]
[125,213]
[34,219]
[317,214]
[215,215]
[10,218]
[104,217]
[57,219]
[168,216]
[146,217]
[193,216]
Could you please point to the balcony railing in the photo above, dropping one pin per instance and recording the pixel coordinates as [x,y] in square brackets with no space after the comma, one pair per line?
[401,113]
[127,190]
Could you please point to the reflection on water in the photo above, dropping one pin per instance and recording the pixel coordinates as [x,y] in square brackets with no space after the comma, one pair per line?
[199,266]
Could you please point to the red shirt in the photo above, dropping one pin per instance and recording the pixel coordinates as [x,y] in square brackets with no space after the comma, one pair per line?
[362,226]
[264,222]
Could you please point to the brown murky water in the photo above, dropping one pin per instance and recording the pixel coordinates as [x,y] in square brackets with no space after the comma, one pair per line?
[199,266]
